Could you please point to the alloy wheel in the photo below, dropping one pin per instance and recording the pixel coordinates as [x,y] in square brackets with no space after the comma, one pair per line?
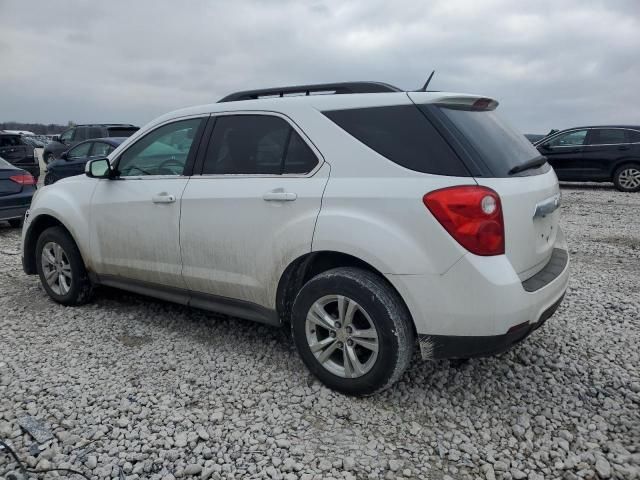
[629,178]
[56,268]
[342,336]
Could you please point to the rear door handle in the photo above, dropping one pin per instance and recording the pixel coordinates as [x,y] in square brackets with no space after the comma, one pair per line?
[163,198]
[279,195]
[623,147]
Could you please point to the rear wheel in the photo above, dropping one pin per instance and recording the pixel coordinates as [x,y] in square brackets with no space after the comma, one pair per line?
[352,330]
[627,178]
[16,222]
[61,269]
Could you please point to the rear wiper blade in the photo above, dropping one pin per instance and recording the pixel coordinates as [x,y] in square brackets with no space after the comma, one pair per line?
[528,165]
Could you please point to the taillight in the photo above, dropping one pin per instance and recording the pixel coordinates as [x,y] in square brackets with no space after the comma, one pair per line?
[23,179]
[472,215]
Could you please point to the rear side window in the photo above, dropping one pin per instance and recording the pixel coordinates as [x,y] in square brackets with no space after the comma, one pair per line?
[607,136]
[402,134]
[95,132]
[500,147]
[81,134]
[121,131]
[256,144]
[634,136]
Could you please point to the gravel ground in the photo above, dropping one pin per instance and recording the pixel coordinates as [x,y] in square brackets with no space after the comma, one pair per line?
[136,388]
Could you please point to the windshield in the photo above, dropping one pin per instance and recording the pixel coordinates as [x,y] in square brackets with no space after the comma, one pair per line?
[499,146]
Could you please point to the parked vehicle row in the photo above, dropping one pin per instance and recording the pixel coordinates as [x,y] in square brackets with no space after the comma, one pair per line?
[72,161]
[80,133]
[366,219]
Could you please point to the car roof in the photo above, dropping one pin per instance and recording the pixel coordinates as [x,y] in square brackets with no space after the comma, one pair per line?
[633,127]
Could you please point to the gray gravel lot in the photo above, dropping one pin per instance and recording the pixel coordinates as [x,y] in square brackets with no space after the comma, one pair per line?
[136,388]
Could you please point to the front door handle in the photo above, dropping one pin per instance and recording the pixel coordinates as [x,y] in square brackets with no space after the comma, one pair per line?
[623,147]
[163,198]
[279,195]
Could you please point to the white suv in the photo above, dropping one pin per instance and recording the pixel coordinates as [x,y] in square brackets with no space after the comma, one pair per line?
[370,219]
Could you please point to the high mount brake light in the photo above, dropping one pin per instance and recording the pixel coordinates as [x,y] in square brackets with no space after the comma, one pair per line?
[472,215]
[23,179]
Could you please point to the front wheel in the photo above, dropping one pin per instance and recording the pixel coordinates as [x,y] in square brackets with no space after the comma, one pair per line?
[49,158]
[352,330]
[50,178]
[627,178]
[61,269]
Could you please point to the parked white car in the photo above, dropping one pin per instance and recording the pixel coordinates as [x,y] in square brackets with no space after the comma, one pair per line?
[369,219]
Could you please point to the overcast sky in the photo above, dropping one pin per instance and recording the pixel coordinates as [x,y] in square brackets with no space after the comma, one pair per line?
[551,64]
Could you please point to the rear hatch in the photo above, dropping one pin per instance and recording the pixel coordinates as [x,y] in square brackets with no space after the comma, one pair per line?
[500,158]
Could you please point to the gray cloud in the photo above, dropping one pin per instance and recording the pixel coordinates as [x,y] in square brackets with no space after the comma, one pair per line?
[552,64]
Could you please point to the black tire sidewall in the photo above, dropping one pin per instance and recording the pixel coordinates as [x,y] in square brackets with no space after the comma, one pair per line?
[619,170]
[50,178]
[78,271]
[380,310]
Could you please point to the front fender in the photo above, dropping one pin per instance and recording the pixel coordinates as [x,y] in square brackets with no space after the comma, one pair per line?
[67,202]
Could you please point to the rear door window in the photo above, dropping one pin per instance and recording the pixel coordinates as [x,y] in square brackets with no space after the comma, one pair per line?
[80,134]
[607,136]
[256,145]
[403,135]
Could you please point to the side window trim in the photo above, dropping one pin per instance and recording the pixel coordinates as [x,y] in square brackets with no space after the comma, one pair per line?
[189,163]
[293,127]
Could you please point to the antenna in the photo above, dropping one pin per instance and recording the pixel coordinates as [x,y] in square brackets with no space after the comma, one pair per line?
[424,88]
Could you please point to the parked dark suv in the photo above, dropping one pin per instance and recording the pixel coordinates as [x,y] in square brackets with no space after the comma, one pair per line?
[15,150]
[596,154]
[80,133]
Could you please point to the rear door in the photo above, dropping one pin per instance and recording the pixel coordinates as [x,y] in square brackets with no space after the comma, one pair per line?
[605,146]
[252,210]
[565,153]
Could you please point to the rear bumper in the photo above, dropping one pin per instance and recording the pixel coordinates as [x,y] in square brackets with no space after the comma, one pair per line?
[448,346]
[480,306]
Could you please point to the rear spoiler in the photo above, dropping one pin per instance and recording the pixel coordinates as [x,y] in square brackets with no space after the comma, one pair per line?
[468,103]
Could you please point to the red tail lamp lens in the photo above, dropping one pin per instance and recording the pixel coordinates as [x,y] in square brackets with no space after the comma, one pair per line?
[472,215]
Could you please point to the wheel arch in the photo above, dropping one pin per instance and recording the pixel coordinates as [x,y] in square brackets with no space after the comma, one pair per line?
[623,162]
[36,227]
[307,266]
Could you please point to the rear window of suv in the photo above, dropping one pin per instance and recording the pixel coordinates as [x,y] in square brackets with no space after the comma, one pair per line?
[121,131]
[500,147]
[402,134]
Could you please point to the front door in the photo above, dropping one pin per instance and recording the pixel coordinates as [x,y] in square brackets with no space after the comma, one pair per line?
[564,153]
[136,216]
[253,209]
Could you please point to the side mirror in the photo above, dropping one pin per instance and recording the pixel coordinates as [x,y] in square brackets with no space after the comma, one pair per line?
[56,138]
[64,155]
[545,146]
[98,168]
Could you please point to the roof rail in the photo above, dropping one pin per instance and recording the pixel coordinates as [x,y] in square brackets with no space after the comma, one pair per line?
[329,88]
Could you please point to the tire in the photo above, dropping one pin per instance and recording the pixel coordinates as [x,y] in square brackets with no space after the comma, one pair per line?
[373,303]
[75,288]
[50,178]
[16,222]
[49,158]
[627,178]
